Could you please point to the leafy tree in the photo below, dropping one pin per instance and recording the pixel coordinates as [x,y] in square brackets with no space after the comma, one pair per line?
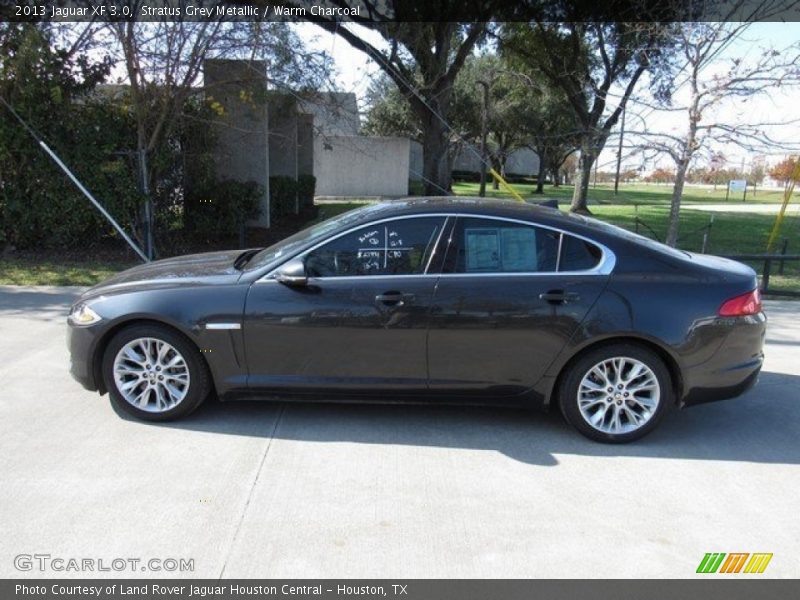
[424,56]
[489,103]
[53,88]
[629,175]
[588,62]
[785,170]
[388,113]
[661,175]
[543,119]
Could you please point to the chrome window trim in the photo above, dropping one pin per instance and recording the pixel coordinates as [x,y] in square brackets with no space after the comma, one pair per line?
[604,266]
[558,252]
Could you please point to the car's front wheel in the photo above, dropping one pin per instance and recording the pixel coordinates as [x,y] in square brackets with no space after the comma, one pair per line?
[154,373]
[616,393]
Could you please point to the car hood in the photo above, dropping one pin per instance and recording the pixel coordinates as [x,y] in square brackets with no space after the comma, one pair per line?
[209,268]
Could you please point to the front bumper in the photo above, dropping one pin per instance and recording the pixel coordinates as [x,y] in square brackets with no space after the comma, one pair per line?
[81,343]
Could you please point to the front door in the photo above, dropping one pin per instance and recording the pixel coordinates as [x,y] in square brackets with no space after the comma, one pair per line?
[509,298]
[361,322]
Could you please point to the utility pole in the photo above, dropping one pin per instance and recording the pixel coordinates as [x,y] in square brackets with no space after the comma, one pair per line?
[484,135]
[619,151]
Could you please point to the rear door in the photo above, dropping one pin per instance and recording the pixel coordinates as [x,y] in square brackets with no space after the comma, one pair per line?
[510,296]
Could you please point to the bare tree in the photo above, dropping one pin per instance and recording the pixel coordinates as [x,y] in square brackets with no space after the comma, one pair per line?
[162,61]
[712,81]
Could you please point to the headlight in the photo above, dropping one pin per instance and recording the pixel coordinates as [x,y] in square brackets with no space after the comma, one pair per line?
[83,315]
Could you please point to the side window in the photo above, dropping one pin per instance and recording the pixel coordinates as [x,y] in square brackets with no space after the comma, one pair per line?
[578,255]
[493,246]
[398,247]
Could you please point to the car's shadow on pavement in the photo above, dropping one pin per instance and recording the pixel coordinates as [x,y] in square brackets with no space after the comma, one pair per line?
[761,426]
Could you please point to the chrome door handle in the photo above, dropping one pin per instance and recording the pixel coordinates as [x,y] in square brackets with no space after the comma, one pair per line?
[559,297]
[393,299]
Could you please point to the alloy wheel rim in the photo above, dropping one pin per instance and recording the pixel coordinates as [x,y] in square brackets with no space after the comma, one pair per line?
[618,395]
[151,375]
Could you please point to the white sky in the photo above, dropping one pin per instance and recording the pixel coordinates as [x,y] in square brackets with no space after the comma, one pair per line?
[354,71]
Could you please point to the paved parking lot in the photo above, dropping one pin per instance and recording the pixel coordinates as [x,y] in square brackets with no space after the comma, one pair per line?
[280,490]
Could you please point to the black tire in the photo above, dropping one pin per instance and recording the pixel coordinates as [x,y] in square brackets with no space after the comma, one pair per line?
[199,385]
[571,381]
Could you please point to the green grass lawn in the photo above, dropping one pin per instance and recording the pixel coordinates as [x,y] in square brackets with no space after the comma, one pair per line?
[730,233]
[29,271]
[638,193]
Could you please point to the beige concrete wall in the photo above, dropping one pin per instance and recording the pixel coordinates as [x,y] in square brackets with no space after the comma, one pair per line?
[521,162]
[361,166]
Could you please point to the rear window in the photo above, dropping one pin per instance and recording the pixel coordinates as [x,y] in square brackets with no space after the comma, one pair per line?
[578,255]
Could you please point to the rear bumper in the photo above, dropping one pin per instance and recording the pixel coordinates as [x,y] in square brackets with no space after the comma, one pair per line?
[734,367]
[739,381]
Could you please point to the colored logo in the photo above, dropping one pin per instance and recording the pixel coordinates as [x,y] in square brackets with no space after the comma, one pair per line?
[735,562]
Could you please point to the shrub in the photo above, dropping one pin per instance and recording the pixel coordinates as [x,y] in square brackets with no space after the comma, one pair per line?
[51,90]
[465,175]
[416,188]
[223,208]
[306,186]
[282,196]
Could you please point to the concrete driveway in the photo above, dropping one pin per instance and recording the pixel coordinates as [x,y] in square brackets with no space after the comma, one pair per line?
[279,490]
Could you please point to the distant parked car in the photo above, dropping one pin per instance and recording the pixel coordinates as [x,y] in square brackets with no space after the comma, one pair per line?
[425,300]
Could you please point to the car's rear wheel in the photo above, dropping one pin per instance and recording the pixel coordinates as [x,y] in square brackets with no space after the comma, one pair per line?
[154,373]
[616,393]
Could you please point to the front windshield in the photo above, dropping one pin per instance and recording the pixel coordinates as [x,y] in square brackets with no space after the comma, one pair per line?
[307,237]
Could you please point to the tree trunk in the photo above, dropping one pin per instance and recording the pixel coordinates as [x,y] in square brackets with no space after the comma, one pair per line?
[496,166]
[675,203]
[542,174]
[434,152]
[501,168]
[582,177]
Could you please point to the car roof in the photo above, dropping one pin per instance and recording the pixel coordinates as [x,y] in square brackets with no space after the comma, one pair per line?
[593,229]
[511,209]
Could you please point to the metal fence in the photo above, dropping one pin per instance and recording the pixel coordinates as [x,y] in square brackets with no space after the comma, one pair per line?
[768,265]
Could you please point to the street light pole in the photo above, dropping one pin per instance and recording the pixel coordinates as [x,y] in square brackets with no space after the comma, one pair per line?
[484,135]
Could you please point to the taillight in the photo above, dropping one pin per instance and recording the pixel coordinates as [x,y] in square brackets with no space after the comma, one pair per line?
[740,306]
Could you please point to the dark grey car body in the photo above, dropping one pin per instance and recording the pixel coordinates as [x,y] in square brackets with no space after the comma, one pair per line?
[499,337]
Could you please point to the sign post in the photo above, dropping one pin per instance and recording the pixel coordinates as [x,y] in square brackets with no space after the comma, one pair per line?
[737,185]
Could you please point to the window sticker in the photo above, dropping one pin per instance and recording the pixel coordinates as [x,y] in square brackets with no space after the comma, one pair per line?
[507,249]
[482,249]
[519,249]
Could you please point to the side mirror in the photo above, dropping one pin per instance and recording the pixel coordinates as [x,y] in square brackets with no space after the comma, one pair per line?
[293,273]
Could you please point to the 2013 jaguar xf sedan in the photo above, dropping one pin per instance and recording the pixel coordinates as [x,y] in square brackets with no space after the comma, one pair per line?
[425,300]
